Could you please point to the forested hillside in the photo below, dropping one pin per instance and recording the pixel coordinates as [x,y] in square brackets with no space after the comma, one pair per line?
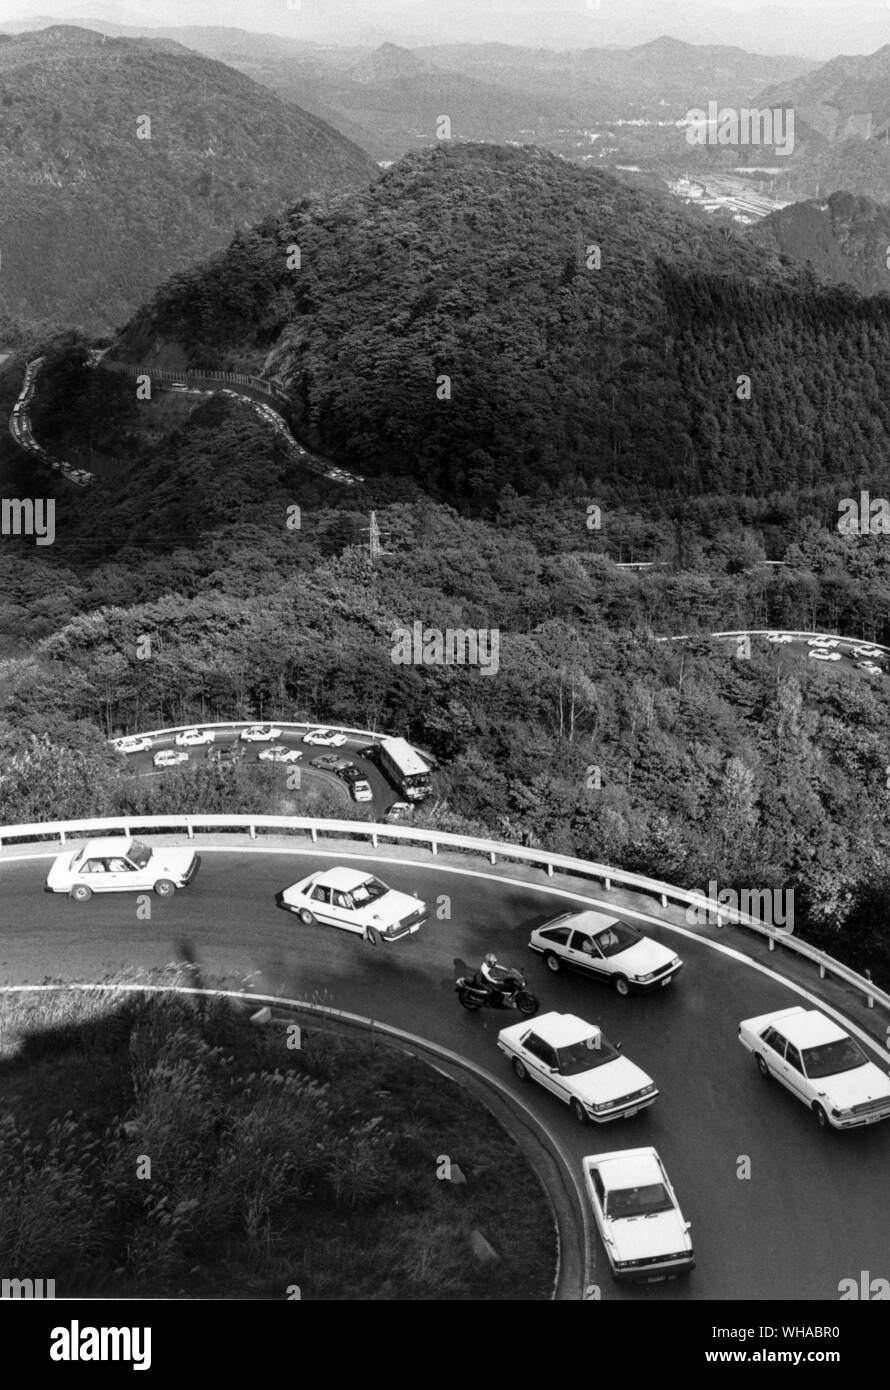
[93,214]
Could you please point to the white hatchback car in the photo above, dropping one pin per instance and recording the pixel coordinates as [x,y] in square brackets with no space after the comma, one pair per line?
[120,864]
[357,902]
[781,637]
[170,757]
[324,738]
[261,733]
[871,667]
[820,1064]
[137,744]
[575,1061]
[194,738]
[607,949]
[637,1215]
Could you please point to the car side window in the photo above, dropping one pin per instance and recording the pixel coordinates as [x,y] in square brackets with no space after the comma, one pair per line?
[559,935]
[533,1044]
[119,866]
[792,1057]
[582,942]
[94,866]
[343,900]
[598,1187]
[321,895]
[774,1040]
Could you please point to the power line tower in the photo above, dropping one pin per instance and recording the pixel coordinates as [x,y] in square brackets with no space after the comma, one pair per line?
[375,549]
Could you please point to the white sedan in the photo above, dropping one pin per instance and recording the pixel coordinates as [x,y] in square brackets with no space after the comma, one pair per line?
[324,738]
[575,1061]
[637,1215]
[261,733]
[120,864]
[867,651]
[194,738]
[782,637]
[361,790]
[138,744]
[280,753]
[820,654]
[605,948]
[357,902]
[170,757]
[871,667]
[820,1064]
[823,642]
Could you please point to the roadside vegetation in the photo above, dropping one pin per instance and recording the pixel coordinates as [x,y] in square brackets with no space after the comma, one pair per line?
[154,1145]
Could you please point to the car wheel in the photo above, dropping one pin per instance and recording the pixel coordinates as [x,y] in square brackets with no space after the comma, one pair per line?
[621,985]
[579,1112]
[762,1067]
[372,936]
[552,962]
[821,1117]
[81,893]
[164,888]
[306,917]
[520,1069]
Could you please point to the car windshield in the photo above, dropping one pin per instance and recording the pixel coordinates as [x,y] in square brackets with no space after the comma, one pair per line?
[834,1057]
[368,892]
[139,854]
[616,938]
[638,1201]
[584,1056]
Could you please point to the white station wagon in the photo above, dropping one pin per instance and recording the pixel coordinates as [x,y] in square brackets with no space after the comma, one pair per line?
[575,1061]
[120,864]
[820,1064]
[637,1215]
[605,948]
[356,901]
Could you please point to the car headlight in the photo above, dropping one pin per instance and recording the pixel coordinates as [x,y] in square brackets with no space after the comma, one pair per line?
[842,1114]
[601,1105]
[649,1090]
[644,979]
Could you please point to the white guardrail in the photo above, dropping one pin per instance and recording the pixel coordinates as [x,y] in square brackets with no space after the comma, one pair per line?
[237,724]
[434,840]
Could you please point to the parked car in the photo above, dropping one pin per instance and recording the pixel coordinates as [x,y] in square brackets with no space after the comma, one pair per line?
[823,642]
[607,949]
[280,753]
[867,651]
[871,667]
[398,811]
[170,757]
[117,864]
[370,751]
[637,1215]
[575,1061]
[138,744]
[194,738]
[350,772]
[329,762]
[355,901]
[818,1061]
[361,790]
[226,754]
[781,637]
[819,654]
[324,738]
[260,733]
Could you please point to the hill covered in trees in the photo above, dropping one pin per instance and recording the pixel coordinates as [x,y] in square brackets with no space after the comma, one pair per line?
[93,213]
[484,316]
[845,239]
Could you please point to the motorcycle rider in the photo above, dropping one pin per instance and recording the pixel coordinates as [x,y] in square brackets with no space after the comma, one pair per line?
[498,977]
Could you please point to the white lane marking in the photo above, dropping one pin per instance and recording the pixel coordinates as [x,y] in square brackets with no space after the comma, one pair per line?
[554,892]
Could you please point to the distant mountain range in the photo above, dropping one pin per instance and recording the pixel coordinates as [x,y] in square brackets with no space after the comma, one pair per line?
[93,217]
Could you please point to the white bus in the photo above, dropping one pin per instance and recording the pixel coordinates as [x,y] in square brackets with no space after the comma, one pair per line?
[405,767]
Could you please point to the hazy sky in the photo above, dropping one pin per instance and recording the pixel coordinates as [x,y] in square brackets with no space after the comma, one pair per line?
[817,28]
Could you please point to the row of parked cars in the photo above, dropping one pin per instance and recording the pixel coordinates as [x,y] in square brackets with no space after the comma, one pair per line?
[865,657]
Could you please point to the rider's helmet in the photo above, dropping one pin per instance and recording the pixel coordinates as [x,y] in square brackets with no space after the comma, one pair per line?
[491,958]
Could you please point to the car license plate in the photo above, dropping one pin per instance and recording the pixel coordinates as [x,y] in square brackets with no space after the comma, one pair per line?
[628,1113]
[666,982]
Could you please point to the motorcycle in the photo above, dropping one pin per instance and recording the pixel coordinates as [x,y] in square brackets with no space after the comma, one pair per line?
[474,992]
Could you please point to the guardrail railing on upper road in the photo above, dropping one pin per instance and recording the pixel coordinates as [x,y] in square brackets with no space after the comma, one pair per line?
[434,840]
[784,632]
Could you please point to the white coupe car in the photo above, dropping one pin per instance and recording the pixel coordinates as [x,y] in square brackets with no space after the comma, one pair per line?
[357,902]
[170,757]
[120,864]
[575,1061]
[820,654]
[137,744]
[324,738]
[867,651]
[607,949]
[280,753]
[823,642]
[820,1064]
[194,738]
[261,733]
[871,667]
[781,637]
[637,1215]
